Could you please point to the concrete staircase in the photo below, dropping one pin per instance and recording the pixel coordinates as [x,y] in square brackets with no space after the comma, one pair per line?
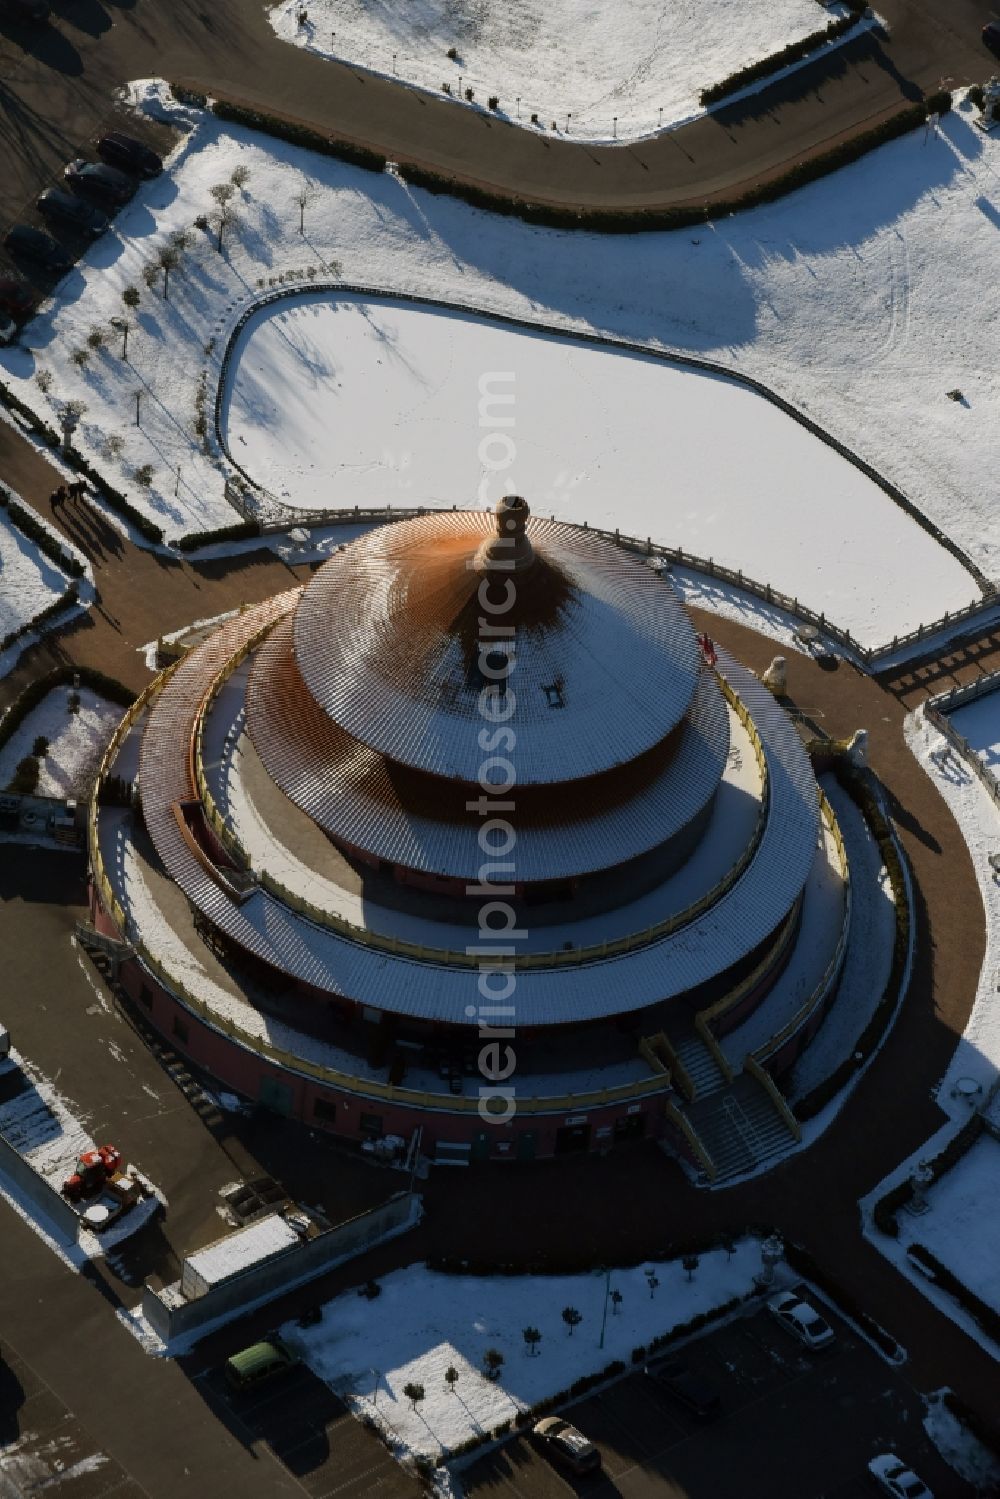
[739,1125]
[699,1064]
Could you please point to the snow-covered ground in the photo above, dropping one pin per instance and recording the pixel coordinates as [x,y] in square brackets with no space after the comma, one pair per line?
[576,66]
[424,1323]
[962,1226]
[978,722]
[844,297]
[609,438]
[76,741]
[29,582]
[959,1448]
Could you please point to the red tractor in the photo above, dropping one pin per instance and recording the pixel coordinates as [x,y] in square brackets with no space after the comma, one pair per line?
[93,1169]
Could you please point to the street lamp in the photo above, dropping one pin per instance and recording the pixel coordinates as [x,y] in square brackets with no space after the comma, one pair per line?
[394,62]
[519,106]
[607,1289]
[614,121]
[121,325]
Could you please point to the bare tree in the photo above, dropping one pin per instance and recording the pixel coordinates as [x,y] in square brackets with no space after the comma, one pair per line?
[168,258]
[304,196]
[451,1378]
[571,1317]
[493,1360]
[43,379]
[151,274]
[96,337]
[414,1393]
[240,177]
[532,1337]
[226,218]
[131,296]
[222,192]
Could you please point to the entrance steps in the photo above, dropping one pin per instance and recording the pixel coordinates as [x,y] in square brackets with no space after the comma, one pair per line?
[740,1126]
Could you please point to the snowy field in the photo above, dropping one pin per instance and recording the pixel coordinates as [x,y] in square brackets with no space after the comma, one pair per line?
[610,438]
[424,1323]
[844,297]
[978,723]
[76,741]
[962,1228]
[644,61]
[29,582]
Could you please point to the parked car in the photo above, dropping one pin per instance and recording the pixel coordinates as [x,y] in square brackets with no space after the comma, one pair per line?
[691,1390]
[801,1320]
[99,180]
[129,155]
[991,36]
[896,1479]
[16,297]
[25,10]
[25,243]
[567,1445]
[67,208]
[259,1362]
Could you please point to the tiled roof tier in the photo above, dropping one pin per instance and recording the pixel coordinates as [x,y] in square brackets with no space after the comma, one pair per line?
[747,913]
[387,641]
[365,801]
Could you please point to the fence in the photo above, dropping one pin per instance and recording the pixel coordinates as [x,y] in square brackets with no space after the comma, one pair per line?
[172,1316]
[937,710]
[57,1215]
[868,655]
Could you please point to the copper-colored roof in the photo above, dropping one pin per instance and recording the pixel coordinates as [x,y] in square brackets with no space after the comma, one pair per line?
[388,641]
[395,812]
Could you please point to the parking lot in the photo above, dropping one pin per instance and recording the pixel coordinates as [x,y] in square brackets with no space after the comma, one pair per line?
[795,1425]
[311,1431]
[44,1447]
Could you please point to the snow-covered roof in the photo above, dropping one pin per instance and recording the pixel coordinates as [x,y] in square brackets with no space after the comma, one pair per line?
[748,912]
[238,1251]
[396,813]
[387,638]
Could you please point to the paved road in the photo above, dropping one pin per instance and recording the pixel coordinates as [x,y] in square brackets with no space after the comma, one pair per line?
[56,86]
[793,1426]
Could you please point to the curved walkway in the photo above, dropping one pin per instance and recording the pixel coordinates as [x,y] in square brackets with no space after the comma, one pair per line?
[58,85]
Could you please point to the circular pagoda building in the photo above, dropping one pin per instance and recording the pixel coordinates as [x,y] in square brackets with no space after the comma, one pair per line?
[471,841]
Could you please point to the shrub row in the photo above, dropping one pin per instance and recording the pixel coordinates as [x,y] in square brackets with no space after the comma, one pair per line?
[239,531]
[299,135]
[607,221]
[987,1318]
[856,786]
[804,1264]
[585,1261]
[109,687]
[588,1382]
[113,496]
[885,1209]
[794,52]
[983,1430]
[41,620]
[27,522]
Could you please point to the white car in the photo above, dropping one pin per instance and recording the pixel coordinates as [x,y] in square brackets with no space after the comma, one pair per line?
[801,1320]
[567,1444]
[896,1479]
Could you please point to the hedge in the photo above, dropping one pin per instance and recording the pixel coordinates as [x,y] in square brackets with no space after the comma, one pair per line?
[794,52]
[240,531]
[585,1261]
[607,221]
[114,497]
[299,135]
[40,620]
[803,1262]
[983,1430]
[859,790]
[987,1318]
[26,521]
[35,691]
[885,1209]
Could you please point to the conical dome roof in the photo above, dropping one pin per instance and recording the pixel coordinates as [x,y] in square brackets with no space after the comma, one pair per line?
[398,635]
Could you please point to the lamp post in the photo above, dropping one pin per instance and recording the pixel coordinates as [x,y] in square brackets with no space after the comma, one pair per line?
[607,1290]
[519,106]
[569,116]
[120,325]
[659,124]
[394,62]
[614,122]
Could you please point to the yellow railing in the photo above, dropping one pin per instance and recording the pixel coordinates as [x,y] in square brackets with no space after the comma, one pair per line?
[775,1094]
[450,956]
[694,1140]
[704,1018]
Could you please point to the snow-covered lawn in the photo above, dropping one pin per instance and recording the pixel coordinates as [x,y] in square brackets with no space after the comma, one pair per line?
[644,61]
[845,297]
[959,1448]
[978,723]
[610,438]
[29,582]
[962,1228]
[76,741]
[424,1323]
